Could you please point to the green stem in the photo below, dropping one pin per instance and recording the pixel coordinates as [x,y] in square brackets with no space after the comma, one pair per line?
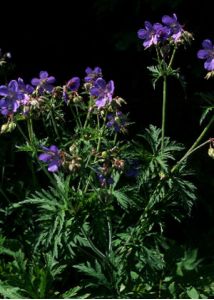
[94,248]
[33,146]
[88,114]
[100,132]
[115,138]
[22,132]
[172,57]
[109,234]
[30,131]
[54,125]
[78,117]
[163,111]
[158,55]
[194,146]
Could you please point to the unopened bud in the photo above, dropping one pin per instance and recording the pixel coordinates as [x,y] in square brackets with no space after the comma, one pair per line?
[211,152]
[72,148]
[104,154]
[8,127]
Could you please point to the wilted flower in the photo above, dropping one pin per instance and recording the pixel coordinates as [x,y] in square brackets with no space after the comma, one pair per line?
[102,91]
[52,157]
[92,75]
[44,82]
[208,54]
[11,97]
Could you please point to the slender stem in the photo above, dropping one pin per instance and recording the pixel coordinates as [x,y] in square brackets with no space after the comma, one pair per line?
[100,133]
[32,144]
[109,234]
[78,116]
[172,57]
[195,144]
[163,111]
[30,131]
[54,124]
[158,55]
[88,114]
[22,132]
[115,138]
[95,249]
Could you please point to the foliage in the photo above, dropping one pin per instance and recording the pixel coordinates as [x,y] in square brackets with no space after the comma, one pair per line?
[88,216]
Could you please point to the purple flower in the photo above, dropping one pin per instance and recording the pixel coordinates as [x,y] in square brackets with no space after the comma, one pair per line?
[11,98]
[116,121]
[102,91]
[26,89]
[208,54]
[71,86]
[92,75]
[52,157]
[174,26]
[44,82]
[152,34]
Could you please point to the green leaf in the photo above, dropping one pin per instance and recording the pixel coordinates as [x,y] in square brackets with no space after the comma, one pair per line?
[74,293]
[10,292]
[122,199]
[172,289]
[192,293]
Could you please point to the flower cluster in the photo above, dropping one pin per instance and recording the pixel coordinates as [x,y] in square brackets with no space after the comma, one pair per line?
[17,94]
[170,29]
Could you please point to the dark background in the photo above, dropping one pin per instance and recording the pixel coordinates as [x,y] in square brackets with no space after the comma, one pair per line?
[64,37]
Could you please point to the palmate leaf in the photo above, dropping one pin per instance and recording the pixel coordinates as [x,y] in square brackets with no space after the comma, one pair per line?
[162,70]
[94,272]
[75,293]
[157,160]
[122,199]
[207,109]
[10,292]
[52,206]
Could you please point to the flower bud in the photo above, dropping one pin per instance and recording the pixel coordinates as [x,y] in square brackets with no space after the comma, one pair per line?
[8,127]
[104,154]
[211,152]
[72,148]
